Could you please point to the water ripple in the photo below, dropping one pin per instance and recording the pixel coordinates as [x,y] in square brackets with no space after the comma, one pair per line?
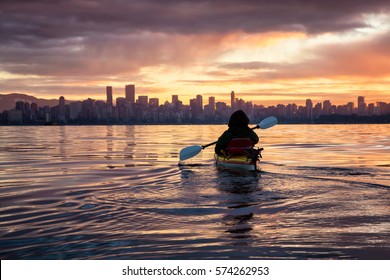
[117,193]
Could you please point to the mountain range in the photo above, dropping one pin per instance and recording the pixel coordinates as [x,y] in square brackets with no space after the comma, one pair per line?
[7,101]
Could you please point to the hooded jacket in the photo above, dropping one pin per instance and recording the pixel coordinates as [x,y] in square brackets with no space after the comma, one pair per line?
[238,128]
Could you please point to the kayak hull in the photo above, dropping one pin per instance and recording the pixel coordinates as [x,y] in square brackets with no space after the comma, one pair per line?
[237,162]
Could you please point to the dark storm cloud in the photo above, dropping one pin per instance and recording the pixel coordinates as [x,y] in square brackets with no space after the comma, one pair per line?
[80,36]
[52,19]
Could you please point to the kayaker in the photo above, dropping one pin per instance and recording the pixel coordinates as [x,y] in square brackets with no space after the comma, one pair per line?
[238,128]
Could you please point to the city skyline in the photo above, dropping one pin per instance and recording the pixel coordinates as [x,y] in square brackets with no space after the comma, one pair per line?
[123,92]
[268,52]
[128,93]
[131,108]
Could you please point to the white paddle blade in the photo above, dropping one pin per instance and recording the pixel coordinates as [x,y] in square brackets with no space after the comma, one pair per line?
[268,122]
[189,152]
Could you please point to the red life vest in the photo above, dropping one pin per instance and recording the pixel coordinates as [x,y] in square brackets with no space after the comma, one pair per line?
[237,146]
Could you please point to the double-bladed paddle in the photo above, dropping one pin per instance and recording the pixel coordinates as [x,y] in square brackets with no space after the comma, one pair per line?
[191,151]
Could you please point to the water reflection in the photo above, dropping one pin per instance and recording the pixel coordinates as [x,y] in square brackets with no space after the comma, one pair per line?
[311,200]
[109,143]
[240,188]
[62,142]
[130,136]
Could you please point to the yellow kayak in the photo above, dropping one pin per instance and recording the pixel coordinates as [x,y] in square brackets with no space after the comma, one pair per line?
[247,162]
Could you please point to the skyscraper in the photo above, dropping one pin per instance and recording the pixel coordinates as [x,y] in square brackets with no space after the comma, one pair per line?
[61,111]
[199,103]
[326,107]
[19,105]
[350,106]
[153,102]
[361,105]
[34,107]
[309,109]
[212,102]
[109,95]
[130,93]
[194,108]
[175,99]
[209,109]
[232,100]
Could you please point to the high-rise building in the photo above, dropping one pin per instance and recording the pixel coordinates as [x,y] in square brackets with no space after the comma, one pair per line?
[209,109]
[309,109]
[130,93]
[121,108]
[19,105]
[350,107]
[75,109]
[194,108]
[175,99]
[212,102]
[34,107]
[199,103]
[142,99]
[88,109]
[361,105]
[153,102]
[326,107]
[371,109]
[61,109]
[233,100]
[109,96]
[120,102]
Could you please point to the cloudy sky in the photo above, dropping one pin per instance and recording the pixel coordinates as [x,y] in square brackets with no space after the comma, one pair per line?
[269,52]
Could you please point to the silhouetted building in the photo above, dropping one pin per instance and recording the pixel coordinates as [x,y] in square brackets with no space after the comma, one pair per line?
[233,101]
[142,99]
[75,110]
[199,103]
[350,107]
[19,105]
[212,102]
[361,105]
[61,110]
[194,109]
[24,108]
[34,107]
[309,110]
[209,109]
[127,111]
[153,103]
[130,93]
[109,95]
[291,112]
[327,107]
[121,109]
[109,107]
[175,99]
[88,110]
[15,116]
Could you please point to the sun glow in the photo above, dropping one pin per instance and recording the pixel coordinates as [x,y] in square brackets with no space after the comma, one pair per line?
[268,47]
[267,63]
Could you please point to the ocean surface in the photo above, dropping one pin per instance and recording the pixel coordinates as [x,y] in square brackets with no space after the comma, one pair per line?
[117,192]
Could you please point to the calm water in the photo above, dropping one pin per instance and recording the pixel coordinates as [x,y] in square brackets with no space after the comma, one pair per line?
[117,192]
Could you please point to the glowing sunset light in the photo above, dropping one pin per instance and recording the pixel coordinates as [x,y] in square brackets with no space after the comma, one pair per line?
[267,52]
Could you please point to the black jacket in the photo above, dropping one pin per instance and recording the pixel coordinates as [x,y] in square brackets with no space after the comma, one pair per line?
[238,128]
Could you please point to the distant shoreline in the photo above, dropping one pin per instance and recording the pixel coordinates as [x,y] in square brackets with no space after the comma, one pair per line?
[195,124]
[323,119]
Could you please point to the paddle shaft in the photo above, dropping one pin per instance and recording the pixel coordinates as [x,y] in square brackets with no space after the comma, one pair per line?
[215,142]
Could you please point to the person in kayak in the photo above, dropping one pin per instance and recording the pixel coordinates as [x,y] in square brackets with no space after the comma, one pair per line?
[238,128]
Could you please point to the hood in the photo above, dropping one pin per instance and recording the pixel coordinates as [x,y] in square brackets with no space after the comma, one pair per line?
[238,119]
